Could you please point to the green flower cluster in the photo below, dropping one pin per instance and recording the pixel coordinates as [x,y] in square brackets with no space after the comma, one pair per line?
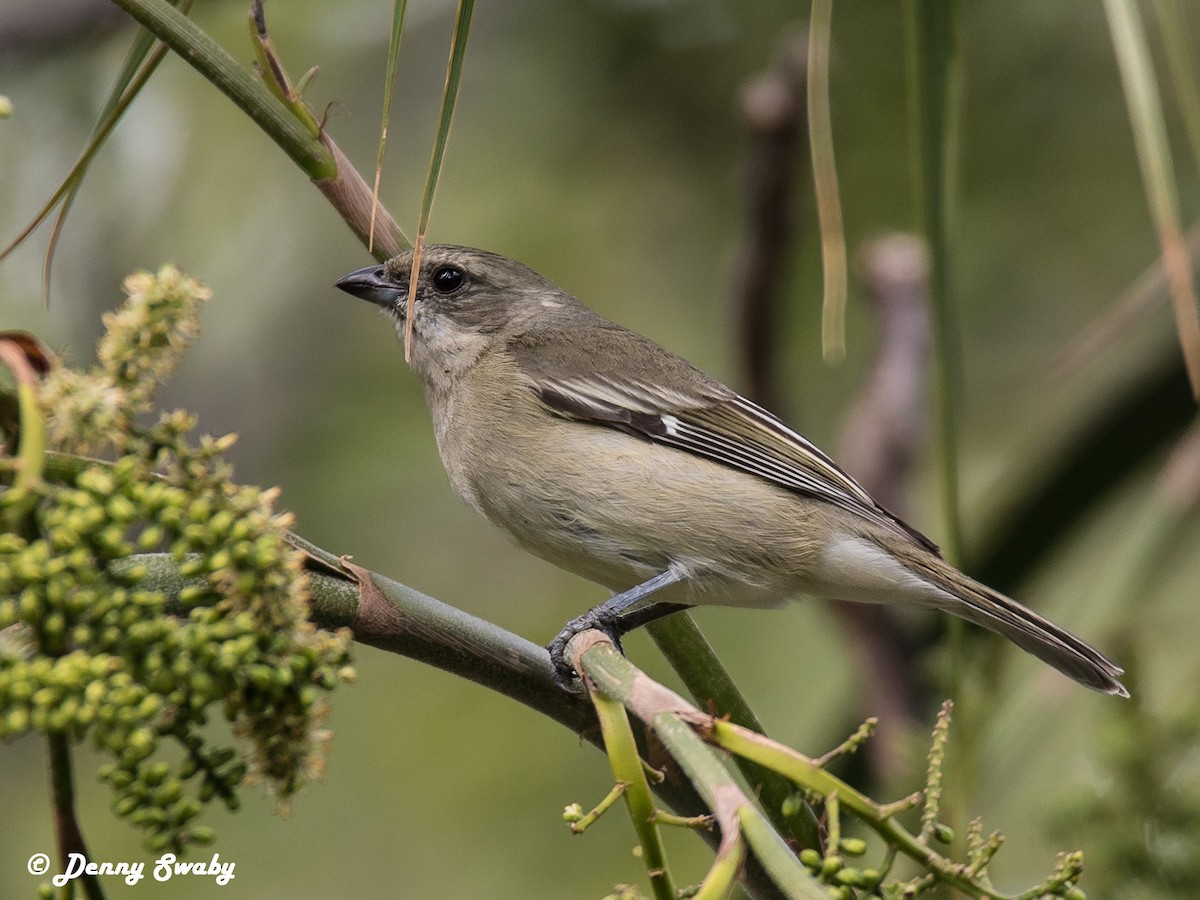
[142,592]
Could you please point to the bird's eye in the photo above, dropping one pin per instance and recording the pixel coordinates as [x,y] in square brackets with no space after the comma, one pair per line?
[448,279]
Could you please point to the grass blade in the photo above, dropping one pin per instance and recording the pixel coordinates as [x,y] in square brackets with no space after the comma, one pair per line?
[935,85]
[1185,78]
[143,58]
[825,184]
[399,7]
[458,54]
[1158,174]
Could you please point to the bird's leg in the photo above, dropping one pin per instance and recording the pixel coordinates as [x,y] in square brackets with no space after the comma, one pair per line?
[611,618]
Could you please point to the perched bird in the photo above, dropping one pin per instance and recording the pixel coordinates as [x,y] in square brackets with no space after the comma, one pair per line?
[613,458]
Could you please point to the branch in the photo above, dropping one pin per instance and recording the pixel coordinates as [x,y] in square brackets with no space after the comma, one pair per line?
[66,823]
[773,105]
[684,730]
[388,615]
[741,822]
[879,442]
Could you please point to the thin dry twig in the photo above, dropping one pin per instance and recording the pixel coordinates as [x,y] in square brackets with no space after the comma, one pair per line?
[879,442]
[773,106]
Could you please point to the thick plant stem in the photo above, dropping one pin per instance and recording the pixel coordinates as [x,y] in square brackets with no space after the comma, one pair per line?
[709,682]
[627,769]
[66,824]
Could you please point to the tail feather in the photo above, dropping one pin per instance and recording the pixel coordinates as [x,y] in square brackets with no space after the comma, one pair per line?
[990,609]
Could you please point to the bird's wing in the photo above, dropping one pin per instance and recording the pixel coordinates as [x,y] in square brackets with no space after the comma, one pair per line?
[719,425]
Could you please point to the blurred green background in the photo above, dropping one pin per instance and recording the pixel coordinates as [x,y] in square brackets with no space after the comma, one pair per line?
[602,144]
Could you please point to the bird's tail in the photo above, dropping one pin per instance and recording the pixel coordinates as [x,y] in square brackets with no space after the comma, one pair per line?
[961,596]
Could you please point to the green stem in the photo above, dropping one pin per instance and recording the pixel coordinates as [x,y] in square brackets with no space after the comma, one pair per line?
[393,617]
[935,86]
[66,824]
[735,814]
[709,682]
[584,822]
[714,782]
[627,769]
[804,772]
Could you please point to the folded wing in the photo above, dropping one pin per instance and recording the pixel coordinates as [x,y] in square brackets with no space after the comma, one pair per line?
[721,426]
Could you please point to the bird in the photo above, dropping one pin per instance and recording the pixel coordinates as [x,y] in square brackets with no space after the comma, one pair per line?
[607,455]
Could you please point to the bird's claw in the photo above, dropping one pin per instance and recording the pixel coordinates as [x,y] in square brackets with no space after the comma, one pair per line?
[564,672]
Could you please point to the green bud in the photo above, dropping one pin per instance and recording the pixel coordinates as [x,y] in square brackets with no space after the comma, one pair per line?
[16,720]
[54,627]
[29,606]
[811,859]
[10,542]
[192,567]
[853,846]
[134,573]
[161,680]
[792,804]
[220,523]
[203,835]
[86,714]
[149,707]
[96,480]
[148,817]
[943,833]
[849,877]
[157,843]
[831,865]
[202,685]
[121,509]
[156,774]
[200,509]
[126,468]
[193,594]
[151,537]
[142,742]
[62,538]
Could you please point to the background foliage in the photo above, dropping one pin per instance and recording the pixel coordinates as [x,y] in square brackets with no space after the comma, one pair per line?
[601,143]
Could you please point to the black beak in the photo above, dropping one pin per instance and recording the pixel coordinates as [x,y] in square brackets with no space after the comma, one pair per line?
[370,284]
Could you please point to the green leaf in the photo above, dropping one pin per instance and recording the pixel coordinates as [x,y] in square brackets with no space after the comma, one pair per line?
[398,9]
